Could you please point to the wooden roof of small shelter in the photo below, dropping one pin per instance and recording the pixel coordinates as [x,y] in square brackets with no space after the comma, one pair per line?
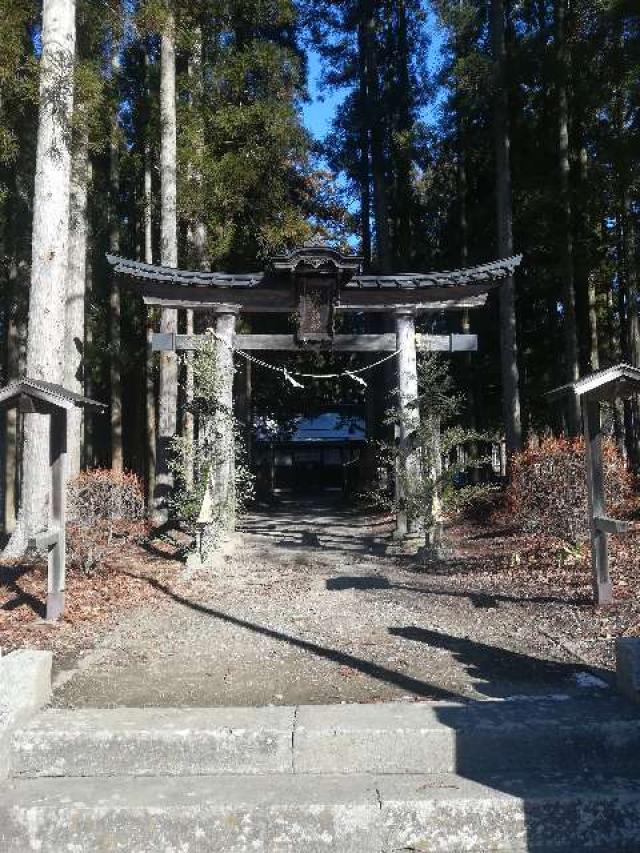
[54,396]
[605,385]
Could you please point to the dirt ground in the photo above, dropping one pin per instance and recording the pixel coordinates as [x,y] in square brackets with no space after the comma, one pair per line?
[315,604]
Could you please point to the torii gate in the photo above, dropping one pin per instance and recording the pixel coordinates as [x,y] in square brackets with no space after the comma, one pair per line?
[315,283]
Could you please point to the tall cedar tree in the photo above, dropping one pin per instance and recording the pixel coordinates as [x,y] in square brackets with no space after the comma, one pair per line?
[46,330]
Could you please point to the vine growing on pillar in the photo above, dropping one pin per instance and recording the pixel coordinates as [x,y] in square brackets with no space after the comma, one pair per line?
[420,472]
[421,485]
[428,481]
[216,456]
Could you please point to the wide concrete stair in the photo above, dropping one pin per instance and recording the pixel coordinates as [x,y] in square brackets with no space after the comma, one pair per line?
[524,775]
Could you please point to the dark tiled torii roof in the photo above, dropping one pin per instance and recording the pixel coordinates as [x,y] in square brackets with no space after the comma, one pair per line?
[188,278]
[47,392]
[491,272]
[485,273]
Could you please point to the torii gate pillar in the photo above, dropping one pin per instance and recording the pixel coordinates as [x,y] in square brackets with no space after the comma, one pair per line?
[408,410]
[226,318]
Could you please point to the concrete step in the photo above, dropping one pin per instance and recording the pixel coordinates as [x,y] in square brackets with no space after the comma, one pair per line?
[389,738]
[357,813]
[155,742]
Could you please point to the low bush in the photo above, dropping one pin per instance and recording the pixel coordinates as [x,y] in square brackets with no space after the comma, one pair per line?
[547,491]
[105,510]
[476,502]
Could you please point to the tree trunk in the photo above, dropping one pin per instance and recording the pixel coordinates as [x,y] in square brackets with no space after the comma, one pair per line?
[572,363]
[592,296]
[168,384]
[626,262]
[593,354]
[632,330]
[148,222]
[115,310]
[404,193]
[243,407]
[376,130]
[76,290]
[628,310]
[150,407]
[363,138]
[45,345]
[10,468]
[16,303]
[15,363]
[631,281]
[502,142]
[197,239]
[89,456]
[150,368]
[150,383]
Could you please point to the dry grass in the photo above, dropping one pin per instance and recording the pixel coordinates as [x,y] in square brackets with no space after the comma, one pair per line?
[93,600]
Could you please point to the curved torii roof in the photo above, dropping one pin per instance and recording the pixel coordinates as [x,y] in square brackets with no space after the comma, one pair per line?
[494,271]
[187,278]
[273,290]
[491,272]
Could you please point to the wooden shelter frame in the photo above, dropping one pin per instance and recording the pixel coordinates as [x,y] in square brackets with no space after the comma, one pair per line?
[604,386]
[33,396]
[335,279]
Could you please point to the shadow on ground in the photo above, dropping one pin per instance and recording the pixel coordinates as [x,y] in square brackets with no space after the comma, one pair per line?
[9,578]
[480,600]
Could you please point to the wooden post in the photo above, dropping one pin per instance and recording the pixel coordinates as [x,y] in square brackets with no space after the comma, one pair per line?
[188,424]
[409,416]
[595,490]
[225,331]
[243,394]
[57,511]
[150,411]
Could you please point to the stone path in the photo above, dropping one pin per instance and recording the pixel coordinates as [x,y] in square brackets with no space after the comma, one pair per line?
[309,607]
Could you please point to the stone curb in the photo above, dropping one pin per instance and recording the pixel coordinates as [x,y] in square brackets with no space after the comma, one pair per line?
[628,667]
[388,738]
[341,814]
[25,687]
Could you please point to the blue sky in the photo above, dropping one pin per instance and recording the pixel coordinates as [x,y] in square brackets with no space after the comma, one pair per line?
[319,112]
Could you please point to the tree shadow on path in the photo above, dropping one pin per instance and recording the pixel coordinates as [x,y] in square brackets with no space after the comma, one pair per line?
[9,576]
[368,668]
[491,665]
[479,599]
